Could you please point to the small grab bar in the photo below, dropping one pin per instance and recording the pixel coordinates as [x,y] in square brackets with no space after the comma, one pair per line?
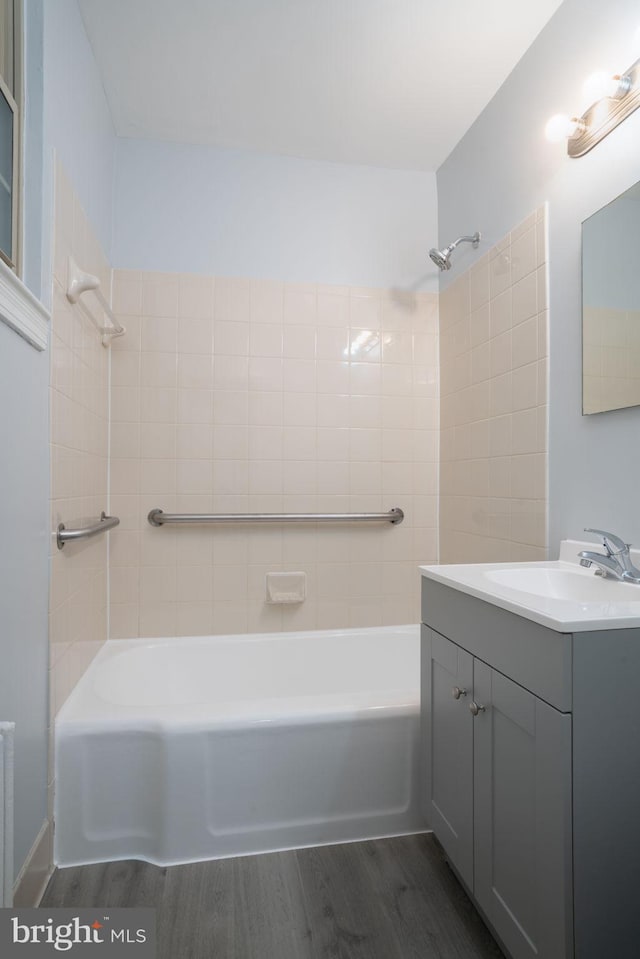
[159,518]
[65,535]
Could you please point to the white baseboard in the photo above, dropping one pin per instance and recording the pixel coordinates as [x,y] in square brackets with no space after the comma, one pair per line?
[36,872]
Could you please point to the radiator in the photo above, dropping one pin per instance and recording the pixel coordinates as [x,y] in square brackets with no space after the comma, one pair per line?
[6,814]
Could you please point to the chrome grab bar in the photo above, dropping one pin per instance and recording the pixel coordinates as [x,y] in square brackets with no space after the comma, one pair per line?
[158,517]
[65,535]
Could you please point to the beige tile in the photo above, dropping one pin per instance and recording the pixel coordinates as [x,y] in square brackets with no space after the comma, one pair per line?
[524,259]
[232,300]
[266,339]
[265,477]
[158,370]
[525,299]
[300,304]
[525,432]
[124,621]
[333,309]
[157,586]
[265,409]
[265,373]
[479,326]
[159,334]
[525,387]
[500,477]
[365,312]
[230,442]
[333,409]
[157,405]
[125,440]
[333,377]
[231,407]
[299,342]
[194,619]
[299,375]
[195,336]
[158,477]
[525,342]
[501,354]
[159,294]
[230,339]
[157,619]
[501,313]
[479,284]
[500,272]
[194,406]
[127,292]
[267,301]
[501,395]
[195,297]
[195,372]
[194,475]
[500,435]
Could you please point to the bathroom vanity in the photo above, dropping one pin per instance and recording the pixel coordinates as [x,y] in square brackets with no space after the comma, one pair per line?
[531,750]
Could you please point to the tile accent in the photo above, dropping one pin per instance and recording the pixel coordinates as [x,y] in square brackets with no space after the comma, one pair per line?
[493,371]
[244,395]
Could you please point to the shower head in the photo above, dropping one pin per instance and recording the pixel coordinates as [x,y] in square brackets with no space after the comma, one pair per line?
[441,257]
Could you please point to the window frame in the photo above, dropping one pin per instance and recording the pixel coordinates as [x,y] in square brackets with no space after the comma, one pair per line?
[15,103]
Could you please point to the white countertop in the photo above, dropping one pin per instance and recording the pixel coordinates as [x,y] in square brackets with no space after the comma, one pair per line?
[544,597]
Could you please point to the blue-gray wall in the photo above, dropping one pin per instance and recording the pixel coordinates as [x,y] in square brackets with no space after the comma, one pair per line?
[499,173]
[199,209]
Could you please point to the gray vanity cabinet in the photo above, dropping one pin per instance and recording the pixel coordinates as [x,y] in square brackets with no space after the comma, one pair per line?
[522,757]
[535,798]
[497,795]
[447,667]
[497,768]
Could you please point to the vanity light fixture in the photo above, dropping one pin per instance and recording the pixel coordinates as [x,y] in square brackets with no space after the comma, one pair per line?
[614,98]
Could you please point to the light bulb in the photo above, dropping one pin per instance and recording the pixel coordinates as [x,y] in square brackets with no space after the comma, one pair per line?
[601,84]
[561,127]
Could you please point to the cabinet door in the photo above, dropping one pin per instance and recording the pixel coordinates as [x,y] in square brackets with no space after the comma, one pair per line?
[448,741]
[522,809]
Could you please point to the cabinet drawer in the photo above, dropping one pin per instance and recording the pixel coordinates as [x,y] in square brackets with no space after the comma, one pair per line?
[535,657]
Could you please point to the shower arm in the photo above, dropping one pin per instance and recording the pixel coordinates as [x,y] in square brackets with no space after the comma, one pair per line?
[475,239]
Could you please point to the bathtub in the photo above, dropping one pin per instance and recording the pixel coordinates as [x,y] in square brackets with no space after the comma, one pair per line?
[179,750]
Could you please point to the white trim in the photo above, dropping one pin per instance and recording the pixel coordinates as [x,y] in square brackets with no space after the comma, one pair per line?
[35,874]
[20,309]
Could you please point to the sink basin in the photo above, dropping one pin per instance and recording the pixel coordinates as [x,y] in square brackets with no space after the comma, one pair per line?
[559,594]
[572,584]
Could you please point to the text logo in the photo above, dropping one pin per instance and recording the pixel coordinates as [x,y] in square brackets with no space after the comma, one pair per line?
[96,933]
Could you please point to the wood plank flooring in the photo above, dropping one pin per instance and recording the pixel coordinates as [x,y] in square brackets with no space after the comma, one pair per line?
[381,899]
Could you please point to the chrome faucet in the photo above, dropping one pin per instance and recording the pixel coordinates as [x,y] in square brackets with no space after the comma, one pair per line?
[617,560]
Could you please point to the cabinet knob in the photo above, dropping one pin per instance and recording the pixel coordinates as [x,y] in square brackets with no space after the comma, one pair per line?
[475,708]
[456,692]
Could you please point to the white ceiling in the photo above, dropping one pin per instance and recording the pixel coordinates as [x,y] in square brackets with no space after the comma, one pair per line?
[392,83]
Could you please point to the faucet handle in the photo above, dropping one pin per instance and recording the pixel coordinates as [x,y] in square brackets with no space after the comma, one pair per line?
[612,542]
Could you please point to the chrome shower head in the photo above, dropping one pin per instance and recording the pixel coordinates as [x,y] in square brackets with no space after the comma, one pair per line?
[441,257]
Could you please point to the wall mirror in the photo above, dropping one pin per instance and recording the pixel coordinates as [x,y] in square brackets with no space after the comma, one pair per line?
[611,305]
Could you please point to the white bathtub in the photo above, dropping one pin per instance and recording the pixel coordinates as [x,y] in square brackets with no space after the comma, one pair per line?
[178,750]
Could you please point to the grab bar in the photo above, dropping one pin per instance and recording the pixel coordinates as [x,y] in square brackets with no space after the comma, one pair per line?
[105,523]
[159,518]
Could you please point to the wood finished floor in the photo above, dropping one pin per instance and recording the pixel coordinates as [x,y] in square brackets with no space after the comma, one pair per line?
[381,899]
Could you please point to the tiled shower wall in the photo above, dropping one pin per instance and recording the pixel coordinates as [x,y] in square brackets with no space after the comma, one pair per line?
[242,395]
[493,370]
[79,406]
